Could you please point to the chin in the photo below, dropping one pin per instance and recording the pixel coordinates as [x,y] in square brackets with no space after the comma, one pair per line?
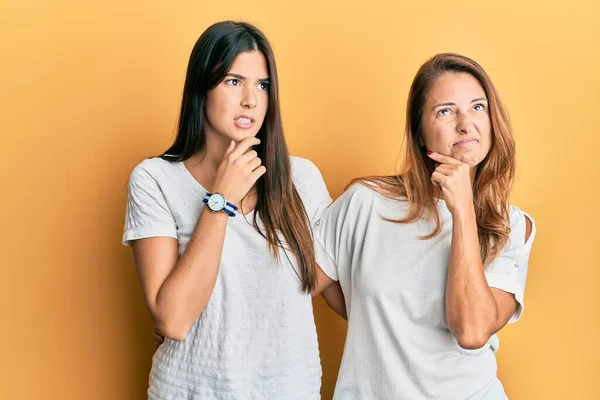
[238,136]
[470,159]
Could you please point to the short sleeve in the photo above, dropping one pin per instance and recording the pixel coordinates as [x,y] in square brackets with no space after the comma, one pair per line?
[147,213]
[321,198]
[311,187]
[337,229]
[508,271]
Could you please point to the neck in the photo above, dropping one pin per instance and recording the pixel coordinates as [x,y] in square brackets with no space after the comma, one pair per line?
[205,163]
[473,174]
[213,152]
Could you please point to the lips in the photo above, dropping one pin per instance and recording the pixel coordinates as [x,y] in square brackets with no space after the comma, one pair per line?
[243,121]
[466,142]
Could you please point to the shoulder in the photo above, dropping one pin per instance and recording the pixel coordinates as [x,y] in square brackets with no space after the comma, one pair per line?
[305,174]
[522,225]
[152,168]
[358,196]
[302,167]
[361,191]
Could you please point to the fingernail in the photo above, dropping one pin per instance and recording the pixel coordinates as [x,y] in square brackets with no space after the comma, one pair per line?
[429,152]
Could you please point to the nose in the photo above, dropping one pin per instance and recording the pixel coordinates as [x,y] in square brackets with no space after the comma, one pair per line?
[464,123]
[248,98]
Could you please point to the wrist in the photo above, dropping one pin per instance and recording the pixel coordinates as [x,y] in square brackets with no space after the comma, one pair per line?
[464,213]
[230,198]
[217,202]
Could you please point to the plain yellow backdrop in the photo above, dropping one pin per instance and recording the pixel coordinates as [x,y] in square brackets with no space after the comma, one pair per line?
[89,89]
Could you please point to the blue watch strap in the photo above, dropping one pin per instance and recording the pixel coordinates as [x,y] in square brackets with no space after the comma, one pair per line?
[229,208]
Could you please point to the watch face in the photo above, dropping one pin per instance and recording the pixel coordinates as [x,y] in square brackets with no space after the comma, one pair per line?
[216,202]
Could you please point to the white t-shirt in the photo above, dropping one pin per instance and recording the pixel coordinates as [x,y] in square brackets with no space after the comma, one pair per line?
[398,345]
[256,338]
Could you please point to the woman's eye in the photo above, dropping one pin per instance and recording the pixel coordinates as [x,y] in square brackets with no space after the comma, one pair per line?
[479,107]
[443,112]
[232,82]
[263,86]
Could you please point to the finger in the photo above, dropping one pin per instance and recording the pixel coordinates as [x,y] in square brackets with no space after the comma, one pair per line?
[258,172]
[445,169]
[438,178]
[243,146]
[245,158]
[441,158]
[230,148]
[254,163]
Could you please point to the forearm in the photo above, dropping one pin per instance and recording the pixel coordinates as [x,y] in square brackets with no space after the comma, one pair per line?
[471,309]
[188,287]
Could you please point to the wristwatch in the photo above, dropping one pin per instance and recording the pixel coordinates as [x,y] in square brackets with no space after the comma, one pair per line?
[217,202]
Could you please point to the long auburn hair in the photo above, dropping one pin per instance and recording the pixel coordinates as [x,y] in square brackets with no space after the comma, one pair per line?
[494,176]
[278,202]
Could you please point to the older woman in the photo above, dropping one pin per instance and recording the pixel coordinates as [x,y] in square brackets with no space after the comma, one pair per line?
[432,261]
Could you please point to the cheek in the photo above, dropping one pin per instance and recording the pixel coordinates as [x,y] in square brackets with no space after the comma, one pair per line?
[437,135]
[216,107]
[263,106]
[211,105]
[485,130]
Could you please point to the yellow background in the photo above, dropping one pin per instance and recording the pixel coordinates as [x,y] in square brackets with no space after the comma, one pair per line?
[89,89]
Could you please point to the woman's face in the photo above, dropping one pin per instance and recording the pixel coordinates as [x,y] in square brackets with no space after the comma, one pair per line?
[236,107]
[456,119]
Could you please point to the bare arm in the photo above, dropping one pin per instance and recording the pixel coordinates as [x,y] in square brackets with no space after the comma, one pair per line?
[474,310]
[176,289]
[334,297]
[332,293]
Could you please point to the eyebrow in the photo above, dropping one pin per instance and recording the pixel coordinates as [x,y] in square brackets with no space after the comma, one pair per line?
[453,104]
[242,77]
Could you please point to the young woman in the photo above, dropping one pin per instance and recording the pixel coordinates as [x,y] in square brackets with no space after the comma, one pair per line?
[432,261]
[220,227]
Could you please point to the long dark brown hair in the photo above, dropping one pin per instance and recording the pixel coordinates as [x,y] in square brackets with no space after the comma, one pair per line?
[494,176]
[278,202]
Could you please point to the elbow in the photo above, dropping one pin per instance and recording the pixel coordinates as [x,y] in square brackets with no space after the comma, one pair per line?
[172,330]
[471,332]
[472,342]
[470,338]
[177,335]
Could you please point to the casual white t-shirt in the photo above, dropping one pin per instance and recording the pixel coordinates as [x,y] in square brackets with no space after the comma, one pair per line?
[398,345]
[256,338]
